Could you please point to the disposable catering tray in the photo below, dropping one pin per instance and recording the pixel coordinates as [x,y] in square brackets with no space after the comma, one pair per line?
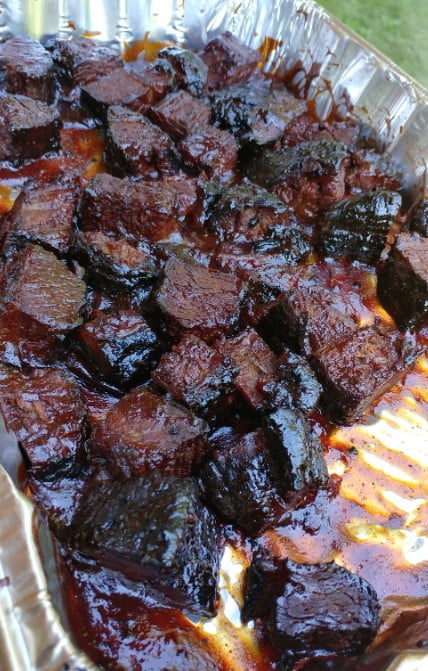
[329,64]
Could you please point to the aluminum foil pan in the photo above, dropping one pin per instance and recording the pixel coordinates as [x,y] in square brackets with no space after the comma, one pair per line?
[350,74]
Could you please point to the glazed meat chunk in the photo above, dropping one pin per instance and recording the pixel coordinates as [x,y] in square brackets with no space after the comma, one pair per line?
[80,60]
[198,376]
[194,299]
[27,68]
[156,82]
[357,370]
[180,113]
[46,413]
[121,347]
[155,530]
[144,433]
[211,150]
[296,385]
[28,128]
[190,71]
[120,87]
[229,61]
[403,282]
[419,219]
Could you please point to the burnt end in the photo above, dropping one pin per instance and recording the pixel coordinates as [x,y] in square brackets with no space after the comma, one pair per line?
[180,113]
[402,283]
[46,413]
[256,364]
[28,128]
[296,386]
[190,71]
[239,481]
[359,369]
[120,87]
[114,263]
[419,219]
[81,61]
[135,146]
[264,580]
[42,302]
[357,228]
[229,61]
[210,150]
[144,433]
[370,171]
[121,347]
[154,530]
[26,68]
[198,376]
[156,82]
[194,299]
[270,119]
[307,128]
[43,215]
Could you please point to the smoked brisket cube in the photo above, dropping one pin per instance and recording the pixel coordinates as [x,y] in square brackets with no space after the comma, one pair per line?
[154,529]
[81,61]
[144,433]
[156,82]
[308,128]
[296,386]
[358,369]
[121,347]
[46,413]
[211,150]
[229,61]
[28,128]
[239,480]
[402,284]
[194,299]
[135,146]
[189,69]
[357,227]
[26,68]
[256,364]
[370,171]
[120,87]
[270,119]
[419,219]
[197,375]
[180,114]
[44,215]
[296,449]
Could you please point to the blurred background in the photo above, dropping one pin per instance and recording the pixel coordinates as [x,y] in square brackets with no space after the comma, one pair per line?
[397,28]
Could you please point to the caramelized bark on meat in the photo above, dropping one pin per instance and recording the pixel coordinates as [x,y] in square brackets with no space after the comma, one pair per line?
[198,376]
[211,150]
[357,227]
[190,71]
[296,386]
[370,171]
[419,219]
[307,128]
[80,60]
[156,82]
[155,530]
[46,413]
[144,433]
[121,347]
[402,285]
[194,299]
[296,450]
[180,114]
[229,61]
[270,119]
[120,87]
[28,128]
[239,481]
[135,146]
[27,68]
[256,364]
[358,369]
[136,211]
[43,215]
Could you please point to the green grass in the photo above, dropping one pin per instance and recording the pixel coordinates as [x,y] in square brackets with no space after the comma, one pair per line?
[397,28]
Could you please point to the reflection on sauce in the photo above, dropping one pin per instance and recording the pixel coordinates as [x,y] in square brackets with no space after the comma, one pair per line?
[267,47]
[150,48]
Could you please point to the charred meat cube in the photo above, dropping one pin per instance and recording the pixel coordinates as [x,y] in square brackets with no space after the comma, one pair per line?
[296,386]
[308,128]
[180,113]
[229,61]
[270,119]
[194,299]
[255,361]
[196,375]
[359,369]
[296,449]
[81,60]
[239,481]
[370,171]
[357,227]
[28,128]
[190,71]
[43,215]
[120,87]
[121,347]
[155,530]
[144,433]
[211,150]
[135,146]
[419,219]
[27,68]
[156,82]
[46,413]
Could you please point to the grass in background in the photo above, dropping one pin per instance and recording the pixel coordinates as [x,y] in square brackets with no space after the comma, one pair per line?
[397,28]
